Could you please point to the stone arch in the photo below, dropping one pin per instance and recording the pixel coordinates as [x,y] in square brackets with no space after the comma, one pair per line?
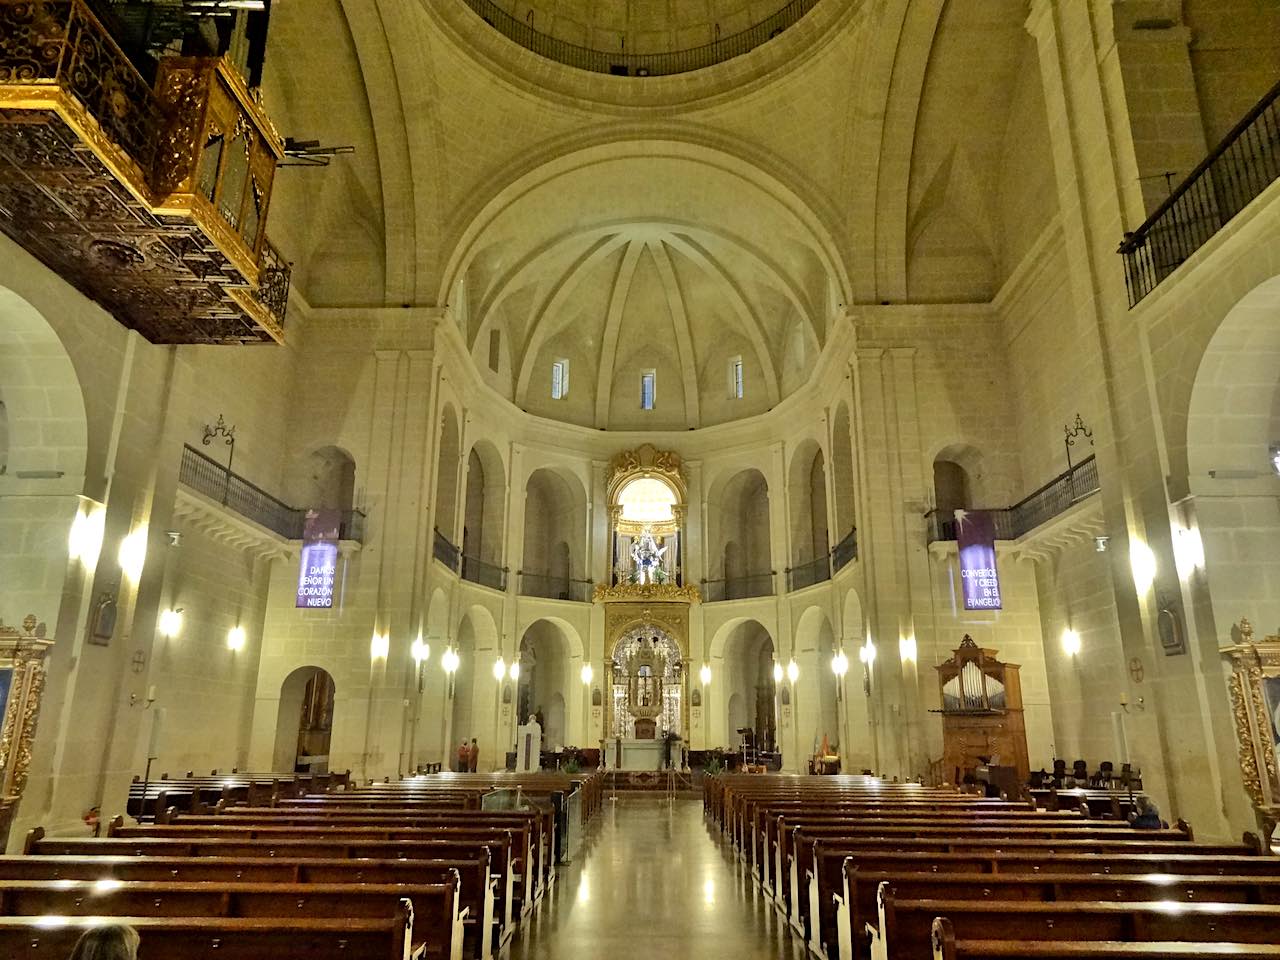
[555,533]
[842,476]
[304,721]
[44,409]
[807,492]
[747,654]
[448,452]
[816,705]
[1233,429]
[324,477]
[957,476]
[739,538]
[476,643]
[485,505]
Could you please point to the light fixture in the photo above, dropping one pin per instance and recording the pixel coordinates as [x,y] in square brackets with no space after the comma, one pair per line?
[133,553]
[1100,544]
[235,639]
[449,660]
[420,651]
[514,672]
[379,646]
[499,669]
[1070,642]
[84,541]
[588,674]
[1188,551]
[170,624]
[793,671]
[867,652]
[907,649]
[705,674]
[840,664]
[777,672]
[1143,563]
[1275,457]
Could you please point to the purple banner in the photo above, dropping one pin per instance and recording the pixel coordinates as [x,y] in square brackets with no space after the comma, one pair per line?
[318,570]
[979,578]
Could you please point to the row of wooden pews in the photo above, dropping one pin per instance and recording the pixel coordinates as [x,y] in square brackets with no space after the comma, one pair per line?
[860,867]
[420,868]
[149,798]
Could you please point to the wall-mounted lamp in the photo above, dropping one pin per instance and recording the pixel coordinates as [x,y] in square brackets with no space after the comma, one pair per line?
[588,674]
[777,672]
[1188,551]
[793,671]
[514,672]
[1100,544]
[420,651]
[907,649]
[840,664]
[449,661]
[499,669]
[1143,563]
[84,541]
[235,639]
[170,624]
[705,674]
[1070,642]
[867,652]
[379,645]
[133,553]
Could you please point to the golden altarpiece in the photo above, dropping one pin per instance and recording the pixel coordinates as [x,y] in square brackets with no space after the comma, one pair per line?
[982,721]
[22,676]
[646,672]
[1255,711]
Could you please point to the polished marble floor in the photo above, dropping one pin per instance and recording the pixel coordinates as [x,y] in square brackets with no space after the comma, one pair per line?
[652,880]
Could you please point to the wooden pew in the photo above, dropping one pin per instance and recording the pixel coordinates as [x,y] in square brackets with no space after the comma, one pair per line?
[221,938]
[475,886]
[904,927]
[313,847]
[437,928]
[843,915]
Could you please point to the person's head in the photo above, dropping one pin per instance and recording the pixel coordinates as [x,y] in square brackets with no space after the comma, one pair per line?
[473,741]
[111,942]
[1146,806]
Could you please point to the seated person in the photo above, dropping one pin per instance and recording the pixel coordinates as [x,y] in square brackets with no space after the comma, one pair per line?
[110,942]
[1147,816]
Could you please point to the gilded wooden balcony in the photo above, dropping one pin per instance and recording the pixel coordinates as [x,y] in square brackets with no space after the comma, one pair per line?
[151,199]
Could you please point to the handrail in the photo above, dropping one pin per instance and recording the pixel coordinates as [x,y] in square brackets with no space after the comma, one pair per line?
[809,572]
[738,588]
[845,552]
[443,549]
[205,475]
[484,573]
[1037,507]
[553,587]
[1243,164]
[625,64]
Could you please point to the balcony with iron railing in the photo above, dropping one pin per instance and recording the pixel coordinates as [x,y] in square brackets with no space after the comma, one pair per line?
[845,552]
[746,587]
[484,573]
[808,573]
[1054,498]
[1235,172]
[444,550]
[210,478]
[623,64]
[554,587]
[159,204]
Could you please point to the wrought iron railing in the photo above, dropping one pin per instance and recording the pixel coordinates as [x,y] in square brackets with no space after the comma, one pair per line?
[625,64]
[552,587]
[444,550]
[205,475]
[1060,493]
[808,573]
[845,552]
[274,273]
[738,588]
[1237,170]
[484,573]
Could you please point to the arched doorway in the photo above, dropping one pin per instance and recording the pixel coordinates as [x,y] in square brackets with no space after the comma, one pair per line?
[749,685]
[544,676]
[807,487]
[304,724]
[447,476]
[740,535]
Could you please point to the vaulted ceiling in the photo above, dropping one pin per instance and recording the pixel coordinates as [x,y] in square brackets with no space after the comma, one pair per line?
[866,155]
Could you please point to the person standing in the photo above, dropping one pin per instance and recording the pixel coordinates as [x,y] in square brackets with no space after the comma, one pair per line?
[464,758]
[473,756]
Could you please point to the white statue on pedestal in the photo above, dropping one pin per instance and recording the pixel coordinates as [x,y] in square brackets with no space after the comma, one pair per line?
[647,556]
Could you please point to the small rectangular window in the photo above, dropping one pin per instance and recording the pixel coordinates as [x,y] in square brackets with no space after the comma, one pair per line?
[648,389]
[559,379]
[495,349]
[735,378]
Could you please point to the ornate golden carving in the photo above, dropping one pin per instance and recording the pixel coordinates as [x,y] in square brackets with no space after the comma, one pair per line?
[22,709]
[1244,741]
[659,592]
[671,618]
[1252,663]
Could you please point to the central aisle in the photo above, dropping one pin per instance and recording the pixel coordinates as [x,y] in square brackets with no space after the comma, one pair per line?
[652,881]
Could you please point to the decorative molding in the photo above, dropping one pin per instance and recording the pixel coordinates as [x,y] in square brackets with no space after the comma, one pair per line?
[224,525]
[656,592]
[1253,665]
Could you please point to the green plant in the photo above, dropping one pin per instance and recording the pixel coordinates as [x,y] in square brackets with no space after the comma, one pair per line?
[713,766]
[572,766]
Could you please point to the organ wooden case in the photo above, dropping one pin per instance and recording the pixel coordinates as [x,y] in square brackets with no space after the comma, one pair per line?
[982,718]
